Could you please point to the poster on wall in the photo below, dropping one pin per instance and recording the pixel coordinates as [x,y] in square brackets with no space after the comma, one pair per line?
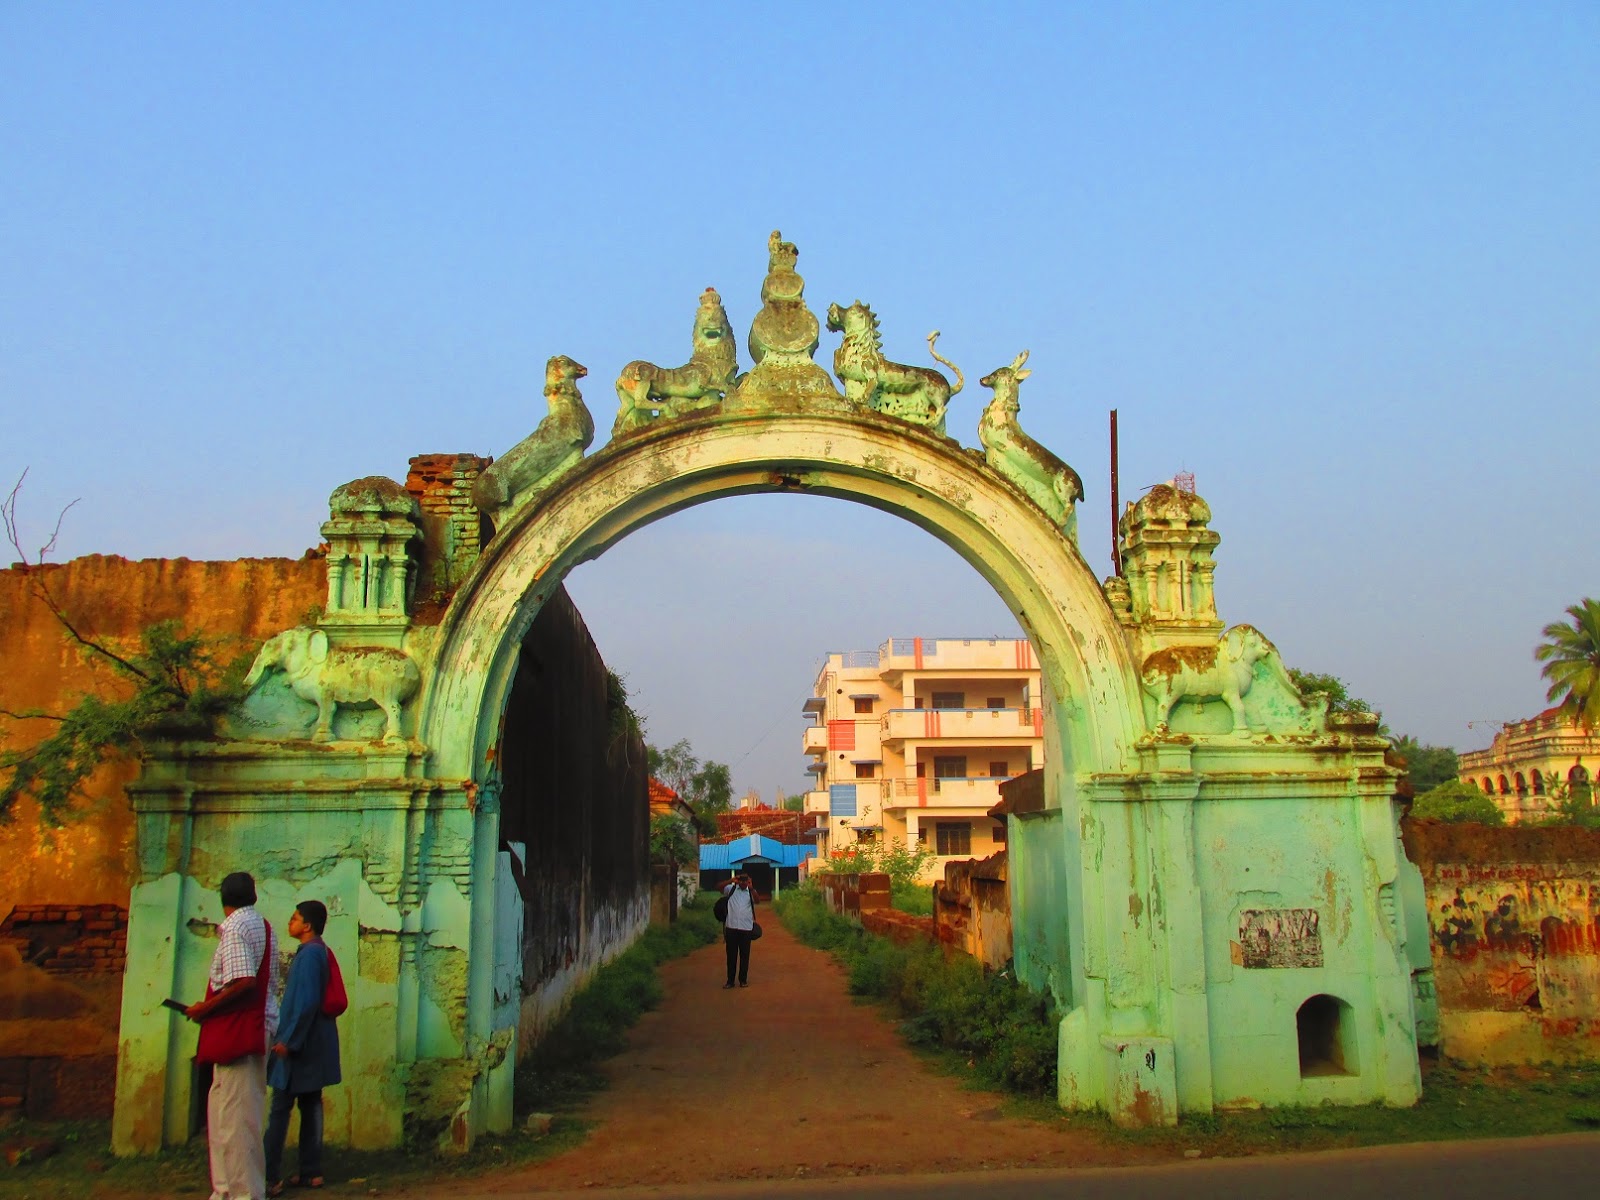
[1278,937]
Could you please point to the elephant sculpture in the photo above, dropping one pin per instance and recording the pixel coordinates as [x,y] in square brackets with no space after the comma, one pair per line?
[1223,672]
[330,676]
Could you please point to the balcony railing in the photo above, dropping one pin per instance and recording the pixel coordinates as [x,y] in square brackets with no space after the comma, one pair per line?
[962,791]
[921,724]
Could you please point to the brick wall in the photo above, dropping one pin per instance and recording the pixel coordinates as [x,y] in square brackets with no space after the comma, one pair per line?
[1514,932]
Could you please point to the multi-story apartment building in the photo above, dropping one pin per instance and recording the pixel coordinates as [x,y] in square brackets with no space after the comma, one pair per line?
[912,741]
[1526,757]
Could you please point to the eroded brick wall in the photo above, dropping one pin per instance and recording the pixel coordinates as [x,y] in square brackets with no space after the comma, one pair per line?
[1514,930]
[110,599]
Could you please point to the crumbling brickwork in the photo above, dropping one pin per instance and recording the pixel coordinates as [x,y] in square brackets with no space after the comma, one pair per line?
[452,528]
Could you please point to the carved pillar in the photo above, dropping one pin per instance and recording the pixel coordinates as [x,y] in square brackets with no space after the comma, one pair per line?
[1166,559]
[372,535]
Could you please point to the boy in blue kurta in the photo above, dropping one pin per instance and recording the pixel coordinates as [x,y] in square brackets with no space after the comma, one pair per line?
[305,1057]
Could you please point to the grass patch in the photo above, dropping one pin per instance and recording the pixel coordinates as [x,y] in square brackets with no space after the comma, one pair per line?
[562,1071]
[1003,1032]
[1458,1102]
[914,899]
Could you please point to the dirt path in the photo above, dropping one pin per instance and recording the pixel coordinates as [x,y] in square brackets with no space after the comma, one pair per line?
[785,1079]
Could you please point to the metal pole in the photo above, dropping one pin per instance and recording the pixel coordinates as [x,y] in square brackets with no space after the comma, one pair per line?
[1116,499]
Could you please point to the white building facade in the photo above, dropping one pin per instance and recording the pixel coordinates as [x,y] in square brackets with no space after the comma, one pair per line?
[911,742]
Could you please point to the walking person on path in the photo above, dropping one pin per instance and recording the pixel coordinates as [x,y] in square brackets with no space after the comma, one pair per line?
[305,1055]
[736,929]
[238,1018]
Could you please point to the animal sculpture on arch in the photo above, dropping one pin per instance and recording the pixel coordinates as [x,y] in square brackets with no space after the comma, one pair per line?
[329,676]
[646,391]
[915,394]
[1225,671]
[551,450]
[1043,478]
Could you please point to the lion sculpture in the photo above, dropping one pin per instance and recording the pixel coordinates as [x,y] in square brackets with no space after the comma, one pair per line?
[646,391]
[916,394]
[549,451]
[1043,478]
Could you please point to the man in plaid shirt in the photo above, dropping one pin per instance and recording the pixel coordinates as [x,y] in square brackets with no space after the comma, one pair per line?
[236,1104]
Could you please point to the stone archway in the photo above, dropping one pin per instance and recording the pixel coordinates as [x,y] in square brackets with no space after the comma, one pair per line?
[1209,848]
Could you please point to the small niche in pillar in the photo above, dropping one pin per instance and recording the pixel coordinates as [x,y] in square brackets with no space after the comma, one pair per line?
[1327,1037]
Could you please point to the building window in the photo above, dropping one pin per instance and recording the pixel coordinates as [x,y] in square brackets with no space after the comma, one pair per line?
[995,702]
[952,766]
[1538,783]
[866,837]
[866,770]
[997,770]
[863,704]
[953,837]
[1000,833]
[949,699]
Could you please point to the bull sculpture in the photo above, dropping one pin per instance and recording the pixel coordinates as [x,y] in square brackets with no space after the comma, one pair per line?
[332,675]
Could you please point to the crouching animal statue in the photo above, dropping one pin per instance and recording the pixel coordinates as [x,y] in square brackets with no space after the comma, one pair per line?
[1223,672]
[549,451]
[330,676]
[916,394]
[1043,478]
[645,390]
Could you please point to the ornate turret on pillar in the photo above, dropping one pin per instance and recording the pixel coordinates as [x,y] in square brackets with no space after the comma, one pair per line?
[371,529]
[1166,560]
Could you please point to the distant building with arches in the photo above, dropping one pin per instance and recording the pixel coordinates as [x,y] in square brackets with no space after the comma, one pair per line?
[1526,757]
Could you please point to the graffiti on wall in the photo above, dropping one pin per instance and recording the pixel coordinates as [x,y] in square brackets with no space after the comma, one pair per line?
[1278,937]
[1507,942]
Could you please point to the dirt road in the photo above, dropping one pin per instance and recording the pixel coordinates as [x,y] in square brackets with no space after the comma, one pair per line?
[786,1079]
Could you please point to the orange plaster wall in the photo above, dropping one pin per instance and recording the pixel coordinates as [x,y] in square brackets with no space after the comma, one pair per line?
[91,859]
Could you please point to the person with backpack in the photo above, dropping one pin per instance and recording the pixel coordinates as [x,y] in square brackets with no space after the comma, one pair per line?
[305,1056]
[738,927]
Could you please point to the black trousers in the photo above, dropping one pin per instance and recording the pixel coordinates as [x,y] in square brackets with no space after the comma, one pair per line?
[737,944]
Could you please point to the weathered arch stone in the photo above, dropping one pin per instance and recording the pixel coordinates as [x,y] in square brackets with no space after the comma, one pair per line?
[923,478]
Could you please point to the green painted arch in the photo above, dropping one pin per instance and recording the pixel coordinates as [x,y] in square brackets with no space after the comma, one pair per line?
[1093,706]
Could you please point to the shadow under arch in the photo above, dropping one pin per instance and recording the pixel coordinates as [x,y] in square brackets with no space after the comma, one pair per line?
[1093,707]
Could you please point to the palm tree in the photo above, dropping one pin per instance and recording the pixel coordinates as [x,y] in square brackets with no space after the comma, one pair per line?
[1571,657]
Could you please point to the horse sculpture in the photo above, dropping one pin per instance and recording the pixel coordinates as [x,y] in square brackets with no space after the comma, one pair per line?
[916,394]
[646,391]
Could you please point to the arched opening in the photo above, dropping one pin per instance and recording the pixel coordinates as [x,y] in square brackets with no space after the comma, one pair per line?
[1326,1032]
[1092,710]
[1522,784]
[1487,785]
[1505,786]
[1578,782]
[1538,782]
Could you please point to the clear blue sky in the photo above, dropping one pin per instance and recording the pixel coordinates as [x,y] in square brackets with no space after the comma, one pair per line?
[1340,260]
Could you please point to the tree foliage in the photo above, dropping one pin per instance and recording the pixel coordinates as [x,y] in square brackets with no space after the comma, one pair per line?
[707,787]
[1338,692]
[902,861]
[1426,766]
[1571,657]
[670,840]
[180,688]
[1455,801]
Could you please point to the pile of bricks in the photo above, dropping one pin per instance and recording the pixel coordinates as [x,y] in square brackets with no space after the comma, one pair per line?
[65,939]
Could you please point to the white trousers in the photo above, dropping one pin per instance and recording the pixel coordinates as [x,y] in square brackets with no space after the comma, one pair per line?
[235,1109]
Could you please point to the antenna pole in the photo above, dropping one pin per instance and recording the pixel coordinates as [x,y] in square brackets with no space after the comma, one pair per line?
[1116,499]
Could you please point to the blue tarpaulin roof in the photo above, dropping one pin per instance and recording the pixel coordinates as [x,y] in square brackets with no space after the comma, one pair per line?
[752,849]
